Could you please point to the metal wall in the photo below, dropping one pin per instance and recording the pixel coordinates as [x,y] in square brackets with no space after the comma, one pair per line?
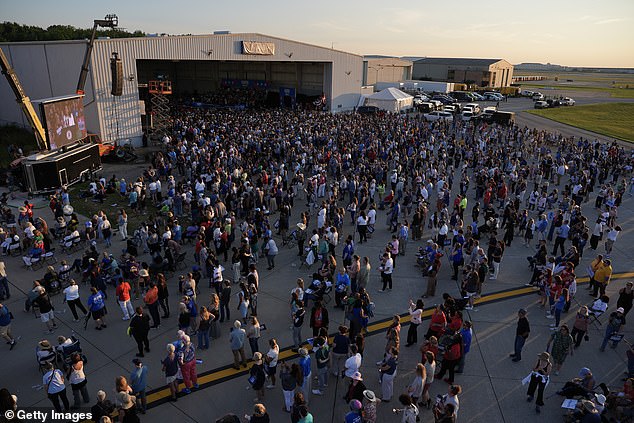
[342,71]
[45,70]
[52,68]
[389,69]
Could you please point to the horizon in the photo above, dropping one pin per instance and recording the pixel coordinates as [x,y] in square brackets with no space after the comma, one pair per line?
[582,33]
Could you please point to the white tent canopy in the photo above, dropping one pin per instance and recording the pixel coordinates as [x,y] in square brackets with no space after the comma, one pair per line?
[391,100]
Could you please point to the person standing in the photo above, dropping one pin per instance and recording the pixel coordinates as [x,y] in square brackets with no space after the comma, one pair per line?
[123,297]
[580,328]
[4,283]
[55,385]
[305,364]
[225,299]
[257,377]
[521,334]
[123,224]
[386,272]
[236,340]
[415,388]
[71,296]
[617,320]
[322,358]
[626,295]
[47,311]
[602,278]
[387,374]
[562,236]
[163,295]
[170,368]
[138,383]
[298,322]
[78,381]
[562,346]
[289,383]
[151,300]
[538,379]
[139,330]
[318,318]
[97,307]
[5,326]
[271,362]
[466,334]
[363,277]
[341,346]
[271,251]
[187,362]
[416,312]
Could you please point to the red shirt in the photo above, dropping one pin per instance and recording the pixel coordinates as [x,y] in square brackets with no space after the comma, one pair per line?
[123,291]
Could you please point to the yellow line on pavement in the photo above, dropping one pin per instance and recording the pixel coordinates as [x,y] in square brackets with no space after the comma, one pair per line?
[230,372]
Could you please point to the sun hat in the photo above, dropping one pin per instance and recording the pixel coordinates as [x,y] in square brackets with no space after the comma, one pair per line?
[144,273]
[44,344]
[369,395]
[257,358]
[620,310]
[357,376]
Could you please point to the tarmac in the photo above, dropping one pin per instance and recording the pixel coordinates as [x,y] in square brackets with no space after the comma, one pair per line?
[491,383]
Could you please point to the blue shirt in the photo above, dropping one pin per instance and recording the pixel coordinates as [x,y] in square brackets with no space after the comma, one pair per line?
[353,417]
[5,317]
[466,339]
[138,379]
[563,231]
[304,363]
[96,301]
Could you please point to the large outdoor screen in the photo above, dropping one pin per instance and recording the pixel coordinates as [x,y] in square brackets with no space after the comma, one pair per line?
[64,120]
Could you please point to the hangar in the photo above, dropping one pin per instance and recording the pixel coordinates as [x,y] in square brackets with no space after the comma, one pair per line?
[490,73]
[192,63]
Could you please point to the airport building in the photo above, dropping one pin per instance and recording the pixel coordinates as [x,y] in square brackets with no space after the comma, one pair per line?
[489,73]
[385,69]
[192,63]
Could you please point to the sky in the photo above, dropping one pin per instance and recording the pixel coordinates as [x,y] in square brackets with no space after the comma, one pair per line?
[566,32]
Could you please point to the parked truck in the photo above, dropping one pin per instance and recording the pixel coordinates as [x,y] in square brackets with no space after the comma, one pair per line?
[433,86]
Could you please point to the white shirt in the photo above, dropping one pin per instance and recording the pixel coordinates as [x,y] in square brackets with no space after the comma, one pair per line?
[71,292]
[54,379]
[273,354]
[388,268]
[371,216]
[352,365]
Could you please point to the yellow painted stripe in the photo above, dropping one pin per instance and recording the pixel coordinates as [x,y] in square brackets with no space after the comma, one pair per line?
[376,327]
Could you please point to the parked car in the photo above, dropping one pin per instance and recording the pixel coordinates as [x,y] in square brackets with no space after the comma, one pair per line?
[437,104]
[438,115]
[567,101]
[493,96]
[444,99]
[426,107]
[537,96]
[473,107]
[449,108]
[477,97]
[467,116]
[541,105]
[527,93]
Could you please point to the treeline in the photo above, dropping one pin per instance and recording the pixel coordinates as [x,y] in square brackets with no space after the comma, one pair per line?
[14,32]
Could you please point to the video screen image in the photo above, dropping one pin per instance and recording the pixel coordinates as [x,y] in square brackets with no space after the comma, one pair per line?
[65,121]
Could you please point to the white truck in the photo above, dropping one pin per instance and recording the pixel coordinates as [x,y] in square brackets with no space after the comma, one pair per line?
[433,86]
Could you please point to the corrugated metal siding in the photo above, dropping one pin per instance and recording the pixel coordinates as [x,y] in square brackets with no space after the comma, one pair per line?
[119,118]
[346,70]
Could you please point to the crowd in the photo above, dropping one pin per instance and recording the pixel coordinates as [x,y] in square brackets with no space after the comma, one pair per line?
[227,188]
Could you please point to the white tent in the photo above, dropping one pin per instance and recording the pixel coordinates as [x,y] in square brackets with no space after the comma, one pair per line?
[390,99]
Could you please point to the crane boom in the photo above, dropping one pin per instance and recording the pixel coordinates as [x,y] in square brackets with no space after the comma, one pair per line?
[24,101]
[110,21]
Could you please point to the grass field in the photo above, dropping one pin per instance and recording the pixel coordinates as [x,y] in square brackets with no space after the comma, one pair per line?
[617,85]
[611,119]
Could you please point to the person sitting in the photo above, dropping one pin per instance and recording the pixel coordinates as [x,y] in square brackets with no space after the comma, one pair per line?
[51,280]
[62,342]
[579,386]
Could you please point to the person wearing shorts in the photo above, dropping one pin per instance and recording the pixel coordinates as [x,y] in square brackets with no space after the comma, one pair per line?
[97,307]
[47,312]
